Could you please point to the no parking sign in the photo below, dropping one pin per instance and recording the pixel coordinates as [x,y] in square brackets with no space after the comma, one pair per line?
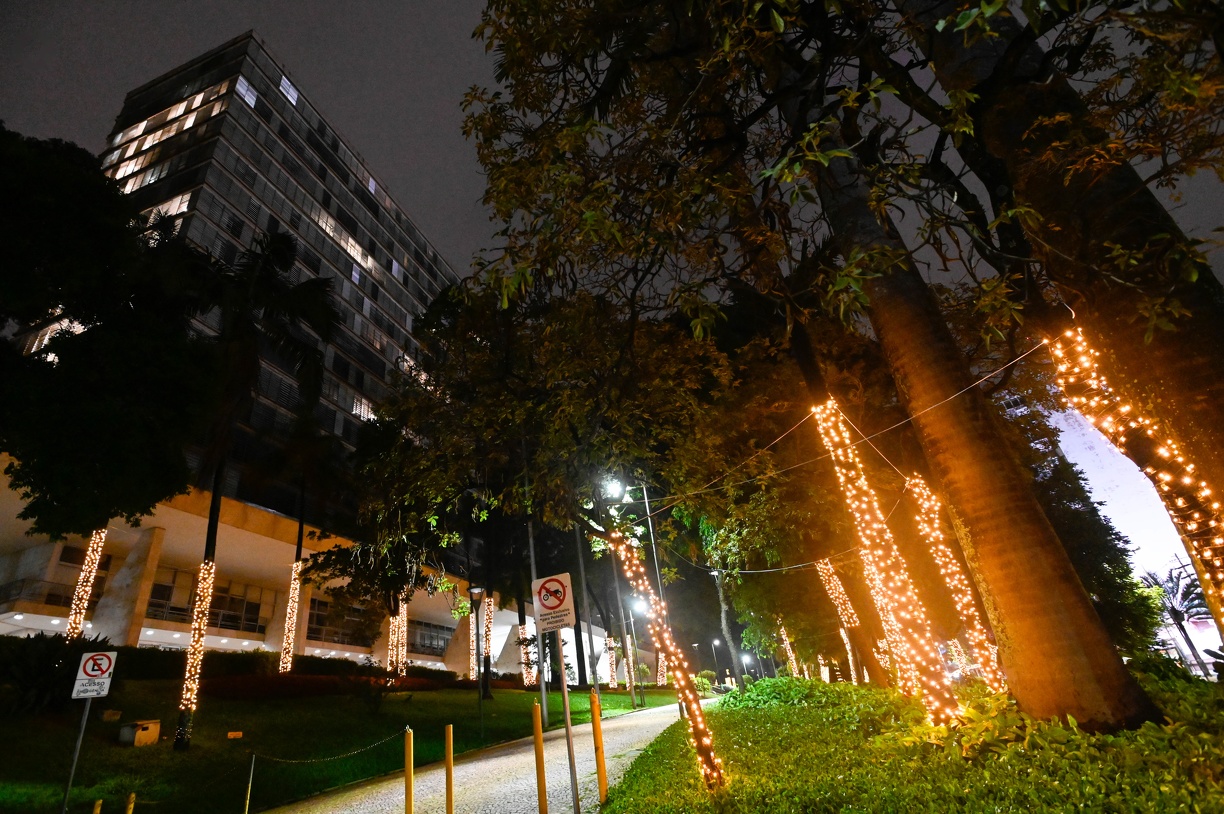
[94,675]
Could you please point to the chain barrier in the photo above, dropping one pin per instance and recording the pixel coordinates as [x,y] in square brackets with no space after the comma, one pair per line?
[334,757]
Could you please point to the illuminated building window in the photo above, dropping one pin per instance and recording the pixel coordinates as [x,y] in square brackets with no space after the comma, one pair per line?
[245,92]
[363,409]
[286,87]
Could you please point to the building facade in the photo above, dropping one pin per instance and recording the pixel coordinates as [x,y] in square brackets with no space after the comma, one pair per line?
[229,146]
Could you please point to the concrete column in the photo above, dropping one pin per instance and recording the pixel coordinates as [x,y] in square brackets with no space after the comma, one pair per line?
[274,636]
[303,619]
[456,656]
[381,651]
[121,609]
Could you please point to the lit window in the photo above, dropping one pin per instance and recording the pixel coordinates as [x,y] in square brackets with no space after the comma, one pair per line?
[356,275]
[175,206]
[396,270]
[286,87]
[373,186]
[246,92]
[362,408]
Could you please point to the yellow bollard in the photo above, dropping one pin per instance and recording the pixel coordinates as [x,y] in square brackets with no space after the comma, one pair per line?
[450,769]
[131,803]
[541,786]
[97,807]
[407,771]
[597,730]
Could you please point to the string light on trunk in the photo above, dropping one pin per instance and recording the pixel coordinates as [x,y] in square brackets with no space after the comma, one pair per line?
[791,662]
[529,671]
[904,617]
[291,615]
[1188,499]
[930,527]
[195,649]
[699,733]
[85,583]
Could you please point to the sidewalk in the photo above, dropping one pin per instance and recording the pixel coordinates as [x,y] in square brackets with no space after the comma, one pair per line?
[501,779]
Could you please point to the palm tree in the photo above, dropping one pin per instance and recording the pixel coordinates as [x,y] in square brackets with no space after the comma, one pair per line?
[261,313]
[1181,598]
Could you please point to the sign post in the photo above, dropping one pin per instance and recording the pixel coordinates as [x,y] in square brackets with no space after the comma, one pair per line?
[553,599]
[93,680]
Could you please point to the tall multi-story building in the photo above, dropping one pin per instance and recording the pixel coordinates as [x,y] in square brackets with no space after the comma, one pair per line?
[228,144]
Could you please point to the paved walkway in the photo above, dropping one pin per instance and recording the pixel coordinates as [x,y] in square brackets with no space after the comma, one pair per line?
[501,779]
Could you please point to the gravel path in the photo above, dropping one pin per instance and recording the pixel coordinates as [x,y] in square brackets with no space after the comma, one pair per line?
[501,779]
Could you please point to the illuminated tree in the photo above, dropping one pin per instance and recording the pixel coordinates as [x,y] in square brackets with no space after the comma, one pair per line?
[258,309]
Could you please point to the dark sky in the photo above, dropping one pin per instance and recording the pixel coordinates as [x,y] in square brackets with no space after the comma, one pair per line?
[389,76]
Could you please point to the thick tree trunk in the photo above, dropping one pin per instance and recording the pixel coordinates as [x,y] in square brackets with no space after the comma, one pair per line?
[1083,218]
[1057,655]
[737,666]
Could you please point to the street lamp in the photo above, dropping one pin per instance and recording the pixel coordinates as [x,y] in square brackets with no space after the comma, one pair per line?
[475,597]
[714,649]
[747,659]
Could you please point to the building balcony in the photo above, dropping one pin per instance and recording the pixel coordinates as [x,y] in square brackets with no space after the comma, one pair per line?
[33,594]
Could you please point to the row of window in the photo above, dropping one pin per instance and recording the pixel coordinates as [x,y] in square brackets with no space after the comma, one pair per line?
[158,119]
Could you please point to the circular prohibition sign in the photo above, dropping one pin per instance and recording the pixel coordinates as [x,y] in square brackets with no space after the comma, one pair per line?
[552,594]
[96,665]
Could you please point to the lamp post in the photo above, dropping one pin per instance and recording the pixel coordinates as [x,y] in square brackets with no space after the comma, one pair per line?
[714,649]
[747,659]
[476,597]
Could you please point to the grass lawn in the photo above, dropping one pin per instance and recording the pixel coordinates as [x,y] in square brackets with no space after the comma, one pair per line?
[850,749]
[212,775]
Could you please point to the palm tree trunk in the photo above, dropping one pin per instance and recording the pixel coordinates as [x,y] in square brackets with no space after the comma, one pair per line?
[199,614]
[1057,655]
[1185,634]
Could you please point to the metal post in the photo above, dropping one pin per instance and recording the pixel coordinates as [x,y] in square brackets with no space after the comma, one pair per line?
[714,650]
[450,769]
[592,656]
[535,600]
[601,770]
[539,636]
[620,606]
[246,807]
[407,771]
[538,732]
[76,752]
[569,731]
[655,547]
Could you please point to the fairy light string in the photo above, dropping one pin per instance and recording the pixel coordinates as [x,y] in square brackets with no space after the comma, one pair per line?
[929,525]
[85,583]
[1187,498]
[291,618]
[610,646]
[488,625]
[905,620]
[195,650]
[791,662]
[851,662]
[529,671]
[660,633]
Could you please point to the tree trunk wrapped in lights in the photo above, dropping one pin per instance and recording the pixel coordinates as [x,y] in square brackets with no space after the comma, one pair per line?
[876,671]
[661,670]
[904,618]
[791,662]
[195,653]
[291,618]
[488,626]
[851,662]
[473,620]
[957,653]
[932,531]
[610,646]
[1189,500]
[708,762]
[85,583]
[397,638]
[529,671]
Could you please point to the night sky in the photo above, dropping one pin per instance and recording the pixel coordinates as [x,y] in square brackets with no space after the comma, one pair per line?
[389,76]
